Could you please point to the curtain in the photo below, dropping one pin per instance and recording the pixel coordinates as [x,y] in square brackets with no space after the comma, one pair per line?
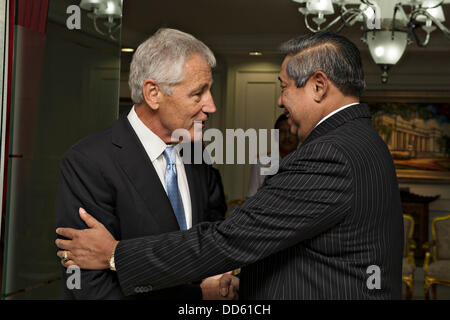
[32,14]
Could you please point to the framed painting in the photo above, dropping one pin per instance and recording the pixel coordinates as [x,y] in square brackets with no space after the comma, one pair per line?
[417,134]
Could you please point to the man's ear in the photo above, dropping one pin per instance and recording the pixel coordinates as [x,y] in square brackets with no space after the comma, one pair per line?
[151,92]
[320,84]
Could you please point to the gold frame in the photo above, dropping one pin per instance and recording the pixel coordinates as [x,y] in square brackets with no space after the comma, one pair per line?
[413,96]
[409,279]
[429,281]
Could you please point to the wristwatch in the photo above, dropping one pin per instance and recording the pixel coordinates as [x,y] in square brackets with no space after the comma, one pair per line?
[112,264]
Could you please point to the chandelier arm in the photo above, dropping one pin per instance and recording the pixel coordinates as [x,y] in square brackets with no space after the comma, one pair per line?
[439,24]
[346,22]
[308,26]
[354,12]
[416,38]
[97,28]
[116,28]
[332,23]
[427,40]
[367,2]
[336,20]
[396,9]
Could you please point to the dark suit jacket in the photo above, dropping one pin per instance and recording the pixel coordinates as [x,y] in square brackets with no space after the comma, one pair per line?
[110,175]
[310,232]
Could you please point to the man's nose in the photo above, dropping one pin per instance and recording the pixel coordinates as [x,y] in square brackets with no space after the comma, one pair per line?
[209,106]
[280,104]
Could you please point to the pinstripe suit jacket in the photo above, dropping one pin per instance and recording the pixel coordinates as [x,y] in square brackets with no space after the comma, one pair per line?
[310,232]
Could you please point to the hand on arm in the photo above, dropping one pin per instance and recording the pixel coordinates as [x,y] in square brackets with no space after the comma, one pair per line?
[83,185]
[88,248]
[92,248]
[311,193]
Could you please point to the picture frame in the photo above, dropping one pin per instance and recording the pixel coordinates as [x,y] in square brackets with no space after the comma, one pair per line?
[416,128]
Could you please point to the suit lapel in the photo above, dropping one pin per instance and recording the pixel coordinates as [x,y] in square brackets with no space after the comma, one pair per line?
[135,163]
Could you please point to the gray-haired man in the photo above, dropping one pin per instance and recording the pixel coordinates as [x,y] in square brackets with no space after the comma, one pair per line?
[130,176]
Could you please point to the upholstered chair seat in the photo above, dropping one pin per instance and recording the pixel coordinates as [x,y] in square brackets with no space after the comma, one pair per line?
[439,270]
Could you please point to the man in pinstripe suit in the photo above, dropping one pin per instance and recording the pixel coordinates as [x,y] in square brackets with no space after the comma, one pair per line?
[328,225]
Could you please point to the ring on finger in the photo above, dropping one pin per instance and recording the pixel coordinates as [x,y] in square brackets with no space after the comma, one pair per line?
[64,258]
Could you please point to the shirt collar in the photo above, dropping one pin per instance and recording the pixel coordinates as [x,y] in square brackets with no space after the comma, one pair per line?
[334,112]
[151,142]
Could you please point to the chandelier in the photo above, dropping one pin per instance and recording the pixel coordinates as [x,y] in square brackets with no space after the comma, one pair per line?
[106,14]
[388,26]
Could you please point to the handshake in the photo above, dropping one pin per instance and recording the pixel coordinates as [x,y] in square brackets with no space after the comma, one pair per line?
[221,287]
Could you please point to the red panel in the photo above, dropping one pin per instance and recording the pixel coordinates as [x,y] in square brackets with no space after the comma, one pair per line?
[32,14]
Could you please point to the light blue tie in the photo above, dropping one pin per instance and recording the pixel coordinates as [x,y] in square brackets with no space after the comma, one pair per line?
[172,186]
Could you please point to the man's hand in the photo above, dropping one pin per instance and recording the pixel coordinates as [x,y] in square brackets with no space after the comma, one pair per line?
[89,248]
[221,287]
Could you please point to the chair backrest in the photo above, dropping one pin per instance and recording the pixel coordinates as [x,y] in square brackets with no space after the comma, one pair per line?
[408,227]
[440,229]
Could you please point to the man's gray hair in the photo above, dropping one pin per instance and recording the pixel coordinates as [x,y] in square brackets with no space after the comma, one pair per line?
[161,57]
[333,54]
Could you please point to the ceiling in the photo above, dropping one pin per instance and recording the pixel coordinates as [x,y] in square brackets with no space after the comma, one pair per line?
[231,26]
[214,16]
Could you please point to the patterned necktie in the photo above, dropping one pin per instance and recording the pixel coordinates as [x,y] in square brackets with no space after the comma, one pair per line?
[172,186]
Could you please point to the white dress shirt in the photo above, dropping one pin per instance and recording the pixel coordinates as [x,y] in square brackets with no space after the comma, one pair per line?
[334,112]
[155,147]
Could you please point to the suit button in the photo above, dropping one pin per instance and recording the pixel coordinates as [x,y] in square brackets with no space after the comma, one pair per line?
[138,289]
[150,288]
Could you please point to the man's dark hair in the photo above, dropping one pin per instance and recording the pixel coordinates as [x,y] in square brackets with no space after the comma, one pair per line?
[333,54]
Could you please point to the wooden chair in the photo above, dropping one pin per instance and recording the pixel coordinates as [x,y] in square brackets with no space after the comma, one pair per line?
[409,265]
[438,271]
